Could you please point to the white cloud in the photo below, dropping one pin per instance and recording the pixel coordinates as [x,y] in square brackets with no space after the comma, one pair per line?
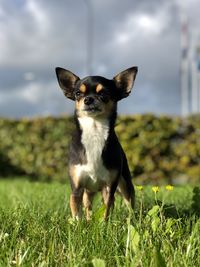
[25,36]
[141,24]
[32,93]
[150,24]
[35,98]
[36,36]
[38,14]
[2,13]
[29,76]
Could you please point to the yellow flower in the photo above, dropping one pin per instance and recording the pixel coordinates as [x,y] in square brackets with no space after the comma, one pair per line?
[155,189]
[139,187]
[169,187]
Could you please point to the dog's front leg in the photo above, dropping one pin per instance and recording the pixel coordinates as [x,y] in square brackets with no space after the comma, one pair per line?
[87,202]
[109,199]
[76,203]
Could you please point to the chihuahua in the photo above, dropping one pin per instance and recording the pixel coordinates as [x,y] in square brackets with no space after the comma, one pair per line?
[97,161]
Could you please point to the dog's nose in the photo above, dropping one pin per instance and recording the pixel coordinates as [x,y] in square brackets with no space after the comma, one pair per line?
[88,100]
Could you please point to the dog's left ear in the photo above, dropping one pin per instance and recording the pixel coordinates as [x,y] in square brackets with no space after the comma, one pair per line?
[124,82]
[67,81]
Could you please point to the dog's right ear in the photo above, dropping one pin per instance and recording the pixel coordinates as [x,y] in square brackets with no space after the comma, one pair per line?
[124,82]
[67,81]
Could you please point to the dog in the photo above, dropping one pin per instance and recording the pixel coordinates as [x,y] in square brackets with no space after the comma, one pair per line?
[97,161]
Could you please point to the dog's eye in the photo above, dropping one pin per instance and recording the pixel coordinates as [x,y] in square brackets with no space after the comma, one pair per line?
[101,93]
[78,93]
[104,96]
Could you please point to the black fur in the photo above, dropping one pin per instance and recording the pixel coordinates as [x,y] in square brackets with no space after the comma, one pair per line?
[100,105]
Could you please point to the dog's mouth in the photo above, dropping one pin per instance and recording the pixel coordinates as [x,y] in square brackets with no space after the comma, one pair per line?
[92,109]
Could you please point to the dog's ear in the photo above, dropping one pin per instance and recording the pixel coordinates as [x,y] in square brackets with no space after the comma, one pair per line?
[67,81]
[124,82]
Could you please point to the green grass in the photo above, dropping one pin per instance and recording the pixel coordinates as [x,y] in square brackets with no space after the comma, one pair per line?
[36,229]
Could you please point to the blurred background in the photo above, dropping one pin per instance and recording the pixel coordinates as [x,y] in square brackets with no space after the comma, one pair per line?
[98,37]
[91,37]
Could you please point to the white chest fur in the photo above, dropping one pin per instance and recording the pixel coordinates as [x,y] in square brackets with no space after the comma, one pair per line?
[94,136]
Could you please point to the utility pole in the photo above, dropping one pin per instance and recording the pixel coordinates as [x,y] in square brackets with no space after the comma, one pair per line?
[194,73]
[90,37]
[184,66]
[198,76]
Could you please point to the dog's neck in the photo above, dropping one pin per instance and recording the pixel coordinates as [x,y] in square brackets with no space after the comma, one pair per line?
[81,121]
[94,135]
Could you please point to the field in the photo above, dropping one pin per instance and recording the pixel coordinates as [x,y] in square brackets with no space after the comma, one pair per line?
[36,228]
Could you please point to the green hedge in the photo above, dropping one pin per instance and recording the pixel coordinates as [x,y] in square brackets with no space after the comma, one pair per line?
[159,149]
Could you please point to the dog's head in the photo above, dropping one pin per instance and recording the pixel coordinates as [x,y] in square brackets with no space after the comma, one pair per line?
[96,95]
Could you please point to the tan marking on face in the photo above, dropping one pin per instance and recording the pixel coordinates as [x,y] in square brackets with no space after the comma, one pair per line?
[99,87]
[83,88]
[80,106]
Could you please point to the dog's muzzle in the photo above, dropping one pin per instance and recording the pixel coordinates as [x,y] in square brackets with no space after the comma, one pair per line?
[90,104]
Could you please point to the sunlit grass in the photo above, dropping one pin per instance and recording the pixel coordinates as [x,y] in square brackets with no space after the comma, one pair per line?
[36,228]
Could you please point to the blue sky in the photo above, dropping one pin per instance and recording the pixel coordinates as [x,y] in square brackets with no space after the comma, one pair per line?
[37,35]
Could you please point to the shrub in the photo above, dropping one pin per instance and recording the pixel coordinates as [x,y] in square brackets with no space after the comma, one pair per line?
[159,149]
